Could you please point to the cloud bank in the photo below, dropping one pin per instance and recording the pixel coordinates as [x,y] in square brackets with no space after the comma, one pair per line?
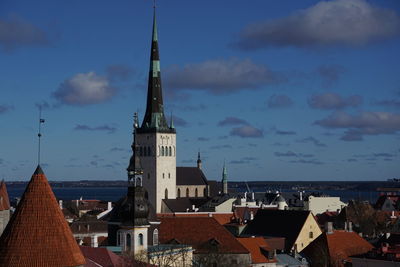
[327,23]
[334,101]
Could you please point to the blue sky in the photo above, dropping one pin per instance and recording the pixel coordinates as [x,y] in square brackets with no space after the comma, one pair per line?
[280,90]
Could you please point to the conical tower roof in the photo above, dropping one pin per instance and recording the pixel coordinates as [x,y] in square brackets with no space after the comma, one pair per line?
[4,200]
[37,234]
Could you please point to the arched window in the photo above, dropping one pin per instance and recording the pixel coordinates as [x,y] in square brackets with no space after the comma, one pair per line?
[163,175]
[174,152]
[169,175]
[155,237]
[144,151]
[141,151]
[166,193]
[179,192]
[162,151]
[187,192]
[170,151]
[128,242]
[140,239]
[204,192]
[196,193]
[148,151]
[138,181]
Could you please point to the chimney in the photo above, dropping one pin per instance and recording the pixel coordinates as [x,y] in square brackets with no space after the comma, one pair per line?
[60,203]
[252,196]
[301,195]
[329,228]
[350,226]
[93,241]
[109,205]
[245,195]
[387,235]
[345,226]
[193,207]
[251,215]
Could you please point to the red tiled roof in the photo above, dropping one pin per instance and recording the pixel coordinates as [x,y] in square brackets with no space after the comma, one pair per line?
[37,234]
[343,244]
[4,200]
[199,232]
[256,246]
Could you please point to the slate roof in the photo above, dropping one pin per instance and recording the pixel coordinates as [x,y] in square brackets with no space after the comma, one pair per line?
[184,203]
[258,248]
[201,233]
[277,223]
[37,233]
[221,218]
[87,227]
[190,176]
[4,200]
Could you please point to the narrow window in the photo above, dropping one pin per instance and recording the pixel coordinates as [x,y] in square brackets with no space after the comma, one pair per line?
[162,151]
[204,192]
[196,193]
[169,175]
[140,239]
[141,151]
[179,192]
[148,151]
[311,234]
[155,237]
[148,176]
[144,151]
[187,192]
[163,175]
[166,193]
[128,242]
[170,151]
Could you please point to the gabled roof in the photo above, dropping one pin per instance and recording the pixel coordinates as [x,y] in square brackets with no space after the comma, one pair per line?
[37,234]
[201,233]
[190,176]
[278,223]
[258,248]
[4,200]
[336,247]
[221,218]
[184,203]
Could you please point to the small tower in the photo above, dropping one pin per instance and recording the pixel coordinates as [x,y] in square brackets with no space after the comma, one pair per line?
[224,181]
[133,212]
[198,160]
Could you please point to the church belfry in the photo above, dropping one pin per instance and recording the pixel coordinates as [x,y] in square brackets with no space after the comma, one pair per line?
[155,139]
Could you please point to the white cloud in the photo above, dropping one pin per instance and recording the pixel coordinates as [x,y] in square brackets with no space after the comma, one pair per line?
[84,89]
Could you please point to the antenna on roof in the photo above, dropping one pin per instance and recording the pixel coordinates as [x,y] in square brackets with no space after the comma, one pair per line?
[154,4]
[40,131]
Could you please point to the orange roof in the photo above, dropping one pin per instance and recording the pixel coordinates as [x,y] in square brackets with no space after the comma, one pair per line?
[256,246]
[37,234]
[342,245]
[4,200]
[200,233]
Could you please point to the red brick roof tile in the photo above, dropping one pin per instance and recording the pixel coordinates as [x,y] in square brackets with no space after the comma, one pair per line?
[199,232]
[256,246]
[37,234]
[4,200]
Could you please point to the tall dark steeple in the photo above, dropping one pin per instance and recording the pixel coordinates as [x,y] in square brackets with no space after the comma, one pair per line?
[154,118]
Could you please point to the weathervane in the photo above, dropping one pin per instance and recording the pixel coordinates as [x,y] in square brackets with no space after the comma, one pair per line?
[40,131]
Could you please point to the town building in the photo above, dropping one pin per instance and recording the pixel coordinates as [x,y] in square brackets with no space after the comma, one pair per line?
[321,204]
[299,228]
[37,233]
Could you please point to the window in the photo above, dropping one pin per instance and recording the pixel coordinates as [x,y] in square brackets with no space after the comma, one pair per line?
[311,234]
[169,175]
[179,192]
[148,151]
[204,192]
[170,151]
[144,151]
[187,192]
[155,237]
[166,193]
[118,238]
[163,175]
[140,237]
[162,151]
[196,193]
[128,242]
[148,176]
[141,151]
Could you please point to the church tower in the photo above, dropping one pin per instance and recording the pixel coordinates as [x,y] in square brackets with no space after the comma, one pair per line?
[156,140]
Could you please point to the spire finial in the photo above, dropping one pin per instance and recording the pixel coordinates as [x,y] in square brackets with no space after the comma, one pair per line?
[39,132]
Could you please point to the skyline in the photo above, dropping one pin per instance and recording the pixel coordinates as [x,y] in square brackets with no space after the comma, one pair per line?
[279,91]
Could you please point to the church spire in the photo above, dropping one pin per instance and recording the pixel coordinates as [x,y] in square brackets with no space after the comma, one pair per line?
[154,118]
[224,180]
